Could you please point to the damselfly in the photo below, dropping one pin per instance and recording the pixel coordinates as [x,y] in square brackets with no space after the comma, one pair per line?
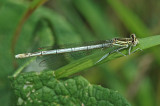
[121,43]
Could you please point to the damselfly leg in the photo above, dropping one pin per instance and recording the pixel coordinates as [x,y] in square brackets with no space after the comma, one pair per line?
[116,50]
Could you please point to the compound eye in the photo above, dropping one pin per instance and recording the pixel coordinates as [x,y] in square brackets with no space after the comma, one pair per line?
[133,36]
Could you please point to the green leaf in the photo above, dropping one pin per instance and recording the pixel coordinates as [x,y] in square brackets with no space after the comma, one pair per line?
[90,61]
[44,89]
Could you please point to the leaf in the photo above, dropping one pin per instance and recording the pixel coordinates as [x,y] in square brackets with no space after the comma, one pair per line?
[90,61]
[44,89]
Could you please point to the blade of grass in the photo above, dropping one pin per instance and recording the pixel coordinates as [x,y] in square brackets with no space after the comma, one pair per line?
[20,69]
[78,24]
[90,61]
[34,5]
[95,17]
[132,22]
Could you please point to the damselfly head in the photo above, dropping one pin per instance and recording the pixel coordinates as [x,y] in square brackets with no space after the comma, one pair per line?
[134,40]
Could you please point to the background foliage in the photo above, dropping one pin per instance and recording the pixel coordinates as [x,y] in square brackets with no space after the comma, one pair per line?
[26,23]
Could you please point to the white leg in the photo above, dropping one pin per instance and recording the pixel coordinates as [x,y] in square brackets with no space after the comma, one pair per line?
[129,51]
[136,50]
[106,55]
[120,53]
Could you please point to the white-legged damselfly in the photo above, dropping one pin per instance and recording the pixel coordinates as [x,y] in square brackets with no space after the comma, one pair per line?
[121,43]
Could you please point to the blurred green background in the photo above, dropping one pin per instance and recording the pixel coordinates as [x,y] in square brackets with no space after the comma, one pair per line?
[23,23]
